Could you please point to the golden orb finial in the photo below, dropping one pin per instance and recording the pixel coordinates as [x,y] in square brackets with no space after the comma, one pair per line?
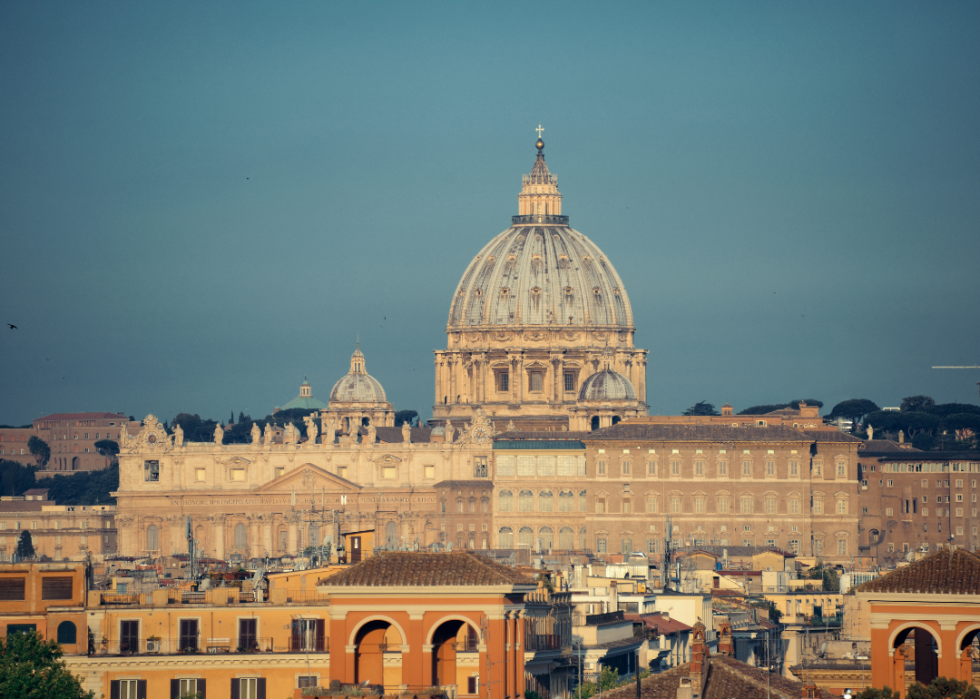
[539,145]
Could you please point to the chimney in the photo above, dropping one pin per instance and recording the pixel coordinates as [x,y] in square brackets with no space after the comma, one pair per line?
[725,639]
[810,691]
[698,659]
[684,690]
[901,437]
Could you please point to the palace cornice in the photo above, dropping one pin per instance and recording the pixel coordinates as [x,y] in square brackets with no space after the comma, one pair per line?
[203,661]
[916,598]
[413,590]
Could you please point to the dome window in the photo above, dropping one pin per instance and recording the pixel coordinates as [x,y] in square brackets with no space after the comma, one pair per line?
[536,291]
[568,291]
[478,292]
[597,291]
[504,292]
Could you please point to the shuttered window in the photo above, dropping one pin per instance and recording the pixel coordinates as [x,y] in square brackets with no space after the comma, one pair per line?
[12,589]
[56,588]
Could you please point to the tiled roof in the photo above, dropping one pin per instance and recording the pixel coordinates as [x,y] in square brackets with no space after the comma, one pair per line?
[729,677]
[733,551]
[660,623]
[36,491]
[24,505]
[394,434]
[944,572]
[830,436]
[538,435]
[80,416]
[696,433]
[504,444]
[417,569]
[885,446]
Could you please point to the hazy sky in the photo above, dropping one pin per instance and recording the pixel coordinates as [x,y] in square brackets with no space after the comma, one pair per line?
[200,203]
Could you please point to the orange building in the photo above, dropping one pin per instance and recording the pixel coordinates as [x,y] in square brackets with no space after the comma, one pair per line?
[927,612]
[45,597]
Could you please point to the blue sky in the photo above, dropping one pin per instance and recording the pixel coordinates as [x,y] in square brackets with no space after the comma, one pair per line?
[202,203]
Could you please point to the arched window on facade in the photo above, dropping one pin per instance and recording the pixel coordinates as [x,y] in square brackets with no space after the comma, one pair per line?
[67,633]
[583,541]
[566,501]
[241,537]
[566,539]
[525,501]
[547,536]
[505,501]
[546,501]
[583,501]
[505,538]
[525,538]
[152,538]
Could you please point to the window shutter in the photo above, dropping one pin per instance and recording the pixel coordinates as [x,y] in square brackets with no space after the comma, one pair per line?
[174,689]
[202,687]
[236,688]
[294,639]
[261,684]
[114,689]
[320,629]
[140,689]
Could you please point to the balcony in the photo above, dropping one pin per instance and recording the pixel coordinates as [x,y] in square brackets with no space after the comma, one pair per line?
[542,641]
[211,646]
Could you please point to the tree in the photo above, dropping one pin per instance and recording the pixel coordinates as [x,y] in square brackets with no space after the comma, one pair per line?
[31,668]
[25,545]
[873,693]
[831,581]
[409,416]
[241,416]
[854,409]
[914,404]
[701,408]
[15,478]
[108,448]
[231,420]
[85,487]
[39,450]
[943,688]
[795,404]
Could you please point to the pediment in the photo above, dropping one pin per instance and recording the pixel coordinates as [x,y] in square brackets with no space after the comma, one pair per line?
[235,461]
[387,459]
[308,477]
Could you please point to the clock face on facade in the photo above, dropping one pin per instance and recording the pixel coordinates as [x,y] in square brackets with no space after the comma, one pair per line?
[480,435]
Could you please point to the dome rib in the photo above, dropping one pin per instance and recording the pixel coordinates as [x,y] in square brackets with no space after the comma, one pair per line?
[556,273]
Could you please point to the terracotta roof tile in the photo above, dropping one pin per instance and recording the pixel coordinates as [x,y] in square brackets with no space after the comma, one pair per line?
[697,433]
[81,416]
[944,572]
[418,569]
[830,436]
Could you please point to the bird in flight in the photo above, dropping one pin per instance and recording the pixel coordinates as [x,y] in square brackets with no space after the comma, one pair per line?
[12,326]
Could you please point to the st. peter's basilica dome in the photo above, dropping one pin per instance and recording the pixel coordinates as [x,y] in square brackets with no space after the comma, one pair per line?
[539,274]
[606,385]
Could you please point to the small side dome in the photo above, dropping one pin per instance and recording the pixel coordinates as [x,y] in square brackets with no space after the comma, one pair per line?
[606,385]
[357,386]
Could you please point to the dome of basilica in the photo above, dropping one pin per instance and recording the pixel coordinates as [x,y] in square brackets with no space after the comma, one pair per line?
[357,386]
[539,274]
[606,385]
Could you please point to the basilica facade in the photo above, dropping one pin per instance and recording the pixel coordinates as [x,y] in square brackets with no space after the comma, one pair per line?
[539,439]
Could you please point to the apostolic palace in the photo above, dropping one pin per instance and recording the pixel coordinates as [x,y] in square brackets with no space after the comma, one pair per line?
[540,439]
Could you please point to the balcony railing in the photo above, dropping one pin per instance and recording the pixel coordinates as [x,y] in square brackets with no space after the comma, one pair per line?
[542,641]
[212,646]
[297,597]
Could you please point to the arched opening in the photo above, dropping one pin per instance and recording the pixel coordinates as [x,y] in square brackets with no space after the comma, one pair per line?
[615,419]
[566,539]
[524,537]
[595,422]
[547,537]
[453,643]
[924,652]
[376,641]
[74,463]
[969,652]
[365,422]
[391,536]
[505,538]
[67,633]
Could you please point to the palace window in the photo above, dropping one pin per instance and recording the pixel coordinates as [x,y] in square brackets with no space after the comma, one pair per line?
[626,468]
[842,506]
[536,381]
[699,504]
[430,472]
[480,467]
[241,536]
[525,501]
[770,468]
[600,505]
[200,474]
[569,381]
[675,468]
[602,468]
[151,471]
[503,381]
[722,468]
[770,506]
[747,468]
[152,538]
[746,504]
[842,547]
[583,502]
[675,505]
[652,504]
[794,506]
[698,468]
[566,501]
[818,506]
[546,501]
[794,468]
[651,468]
[600,545]
[723,505]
